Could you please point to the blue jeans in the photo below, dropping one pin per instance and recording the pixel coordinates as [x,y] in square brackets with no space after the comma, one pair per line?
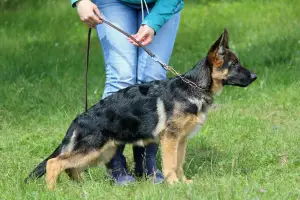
[126,64]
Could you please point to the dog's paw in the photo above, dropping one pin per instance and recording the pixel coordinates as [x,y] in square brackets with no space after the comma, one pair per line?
[172,181]
[51,187]
[187,181]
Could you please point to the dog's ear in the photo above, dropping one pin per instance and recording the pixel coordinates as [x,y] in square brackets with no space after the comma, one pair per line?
[218,49]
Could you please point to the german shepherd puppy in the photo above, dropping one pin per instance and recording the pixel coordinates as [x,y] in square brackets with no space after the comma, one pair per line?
[167,111]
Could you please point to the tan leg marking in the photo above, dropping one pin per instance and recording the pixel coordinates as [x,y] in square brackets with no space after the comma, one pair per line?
[169,147]
[108,153]
[180,160]
[74,163]
[174,142]
[53,169]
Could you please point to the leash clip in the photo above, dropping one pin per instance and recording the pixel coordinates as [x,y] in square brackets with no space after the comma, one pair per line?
[156,59]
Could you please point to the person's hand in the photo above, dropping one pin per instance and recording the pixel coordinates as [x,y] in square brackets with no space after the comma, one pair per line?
[88,13]
[144,35]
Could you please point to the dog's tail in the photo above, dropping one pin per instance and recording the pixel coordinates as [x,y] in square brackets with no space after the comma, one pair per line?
[40,170]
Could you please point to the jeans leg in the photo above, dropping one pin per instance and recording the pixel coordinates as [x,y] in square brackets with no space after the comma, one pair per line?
[162,46]
[120,65]
[120,56]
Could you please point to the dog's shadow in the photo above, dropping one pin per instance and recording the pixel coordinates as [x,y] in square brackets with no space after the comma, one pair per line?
[202,157]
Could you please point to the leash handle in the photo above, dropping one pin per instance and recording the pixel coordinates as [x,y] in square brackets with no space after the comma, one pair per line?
[87,67]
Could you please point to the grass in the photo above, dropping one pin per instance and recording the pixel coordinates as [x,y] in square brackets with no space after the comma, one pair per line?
[249,147]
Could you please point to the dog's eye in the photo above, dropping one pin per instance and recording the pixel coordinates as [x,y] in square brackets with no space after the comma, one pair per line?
[234,66]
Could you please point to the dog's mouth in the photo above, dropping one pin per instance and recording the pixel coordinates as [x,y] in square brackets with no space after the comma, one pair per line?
[226,82]
[240,82]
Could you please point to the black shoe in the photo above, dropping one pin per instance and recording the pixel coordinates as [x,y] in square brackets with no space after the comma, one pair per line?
[145,163]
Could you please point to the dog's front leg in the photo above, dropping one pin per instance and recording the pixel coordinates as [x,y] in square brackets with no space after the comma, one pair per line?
[169,147]
[180,160]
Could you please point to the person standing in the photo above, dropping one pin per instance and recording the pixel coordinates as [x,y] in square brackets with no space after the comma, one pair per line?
[154,23]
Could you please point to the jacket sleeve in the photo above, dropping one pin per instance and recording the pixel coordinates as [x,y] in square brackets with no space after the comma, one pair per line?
[162,11]
[73,3]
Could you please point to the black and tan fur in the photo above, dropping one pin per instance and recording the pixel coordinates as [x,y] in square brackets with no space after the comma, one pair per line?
[167,111]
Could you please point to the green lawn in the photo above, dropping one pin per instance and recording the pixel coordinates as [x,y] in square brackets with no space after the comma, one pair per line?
[248,149]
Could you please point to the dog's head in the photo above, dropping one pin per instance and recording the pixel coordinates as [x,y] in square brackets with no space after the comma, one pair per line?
[226,67]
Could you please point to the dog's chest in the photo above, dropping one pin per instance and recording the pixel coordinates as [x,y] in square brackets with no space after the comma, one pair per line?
[196,122]
[197,126]
[187,117]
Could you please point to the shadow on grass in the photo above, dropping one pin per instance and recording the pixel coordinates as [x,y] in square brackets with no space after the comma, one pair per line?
[202,157]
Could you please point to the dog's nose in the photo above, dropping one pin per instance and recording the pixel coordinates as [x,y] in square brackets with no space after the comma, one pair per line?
[253,76]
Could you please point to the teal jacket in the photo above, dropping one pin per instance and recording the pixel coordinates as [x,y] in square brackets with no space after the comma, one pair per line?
[160,14]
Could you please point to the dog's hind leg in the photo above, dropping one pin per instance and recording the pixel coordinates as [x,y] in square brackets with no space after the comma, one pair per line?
[169,147]
[75,163]
[107,152]
[54,167]
[75,174]
[180,160]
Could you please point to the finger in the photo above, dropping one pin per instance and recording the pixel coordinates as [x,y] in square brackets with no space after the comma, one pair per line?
[95,19]
[131,40]
[90,23]
[147,41]
[98,14]
[141,36]
[92,19]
